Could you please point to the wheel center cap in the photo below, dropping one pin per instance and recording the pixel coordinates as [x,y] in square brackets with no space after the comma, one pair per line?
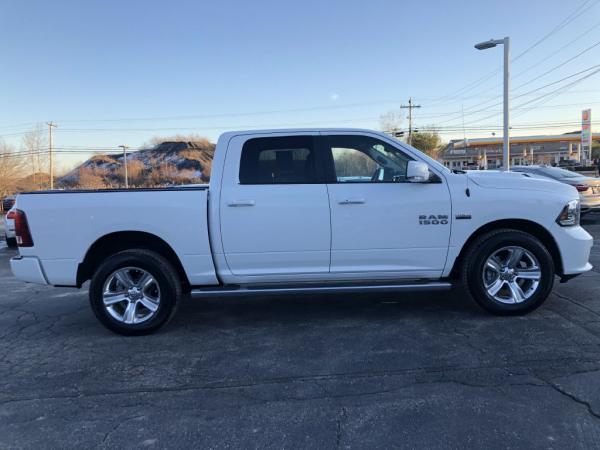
[134,293]
[507,274]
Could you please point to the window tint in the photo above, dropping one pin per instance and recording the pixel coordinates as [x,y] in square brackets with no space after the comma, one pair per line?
[363,159]
[278,160]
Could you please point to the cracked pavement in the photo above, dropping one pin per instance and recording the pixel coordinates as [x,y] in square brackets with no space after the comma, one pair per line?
[411,371]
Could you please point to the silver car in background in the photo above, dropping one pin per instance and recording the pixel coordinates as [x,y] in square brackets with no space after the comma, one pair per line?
[588,187]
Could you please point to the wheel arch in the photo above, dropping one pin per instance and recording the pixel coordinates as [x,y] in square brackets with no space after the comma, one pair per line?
[527,226]
[112,243]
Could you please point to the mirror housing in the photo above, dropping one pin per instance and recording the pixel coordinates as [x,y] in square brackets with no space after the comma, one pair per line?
[417,172]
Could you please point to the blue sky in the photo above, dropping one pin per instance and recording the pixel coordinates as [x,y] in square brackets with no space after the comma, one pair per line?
[119,72]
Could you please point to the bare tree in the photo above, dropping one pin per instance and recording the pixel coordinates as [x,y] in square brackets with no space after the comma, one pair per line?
[12,167]
[90,178]
[390,122]
[34,142]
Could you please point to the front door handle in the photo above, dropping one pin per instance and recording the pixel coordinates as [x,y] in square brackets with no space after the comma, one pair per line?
[352,201]
[235,203]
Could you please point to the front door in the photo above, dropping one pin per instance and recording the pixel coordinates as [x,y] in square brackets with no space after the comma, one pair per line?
[274,208]
[383,225]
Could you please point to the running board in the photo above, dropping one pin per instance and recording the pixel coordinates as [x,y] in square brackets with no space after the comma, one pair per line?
[241,291]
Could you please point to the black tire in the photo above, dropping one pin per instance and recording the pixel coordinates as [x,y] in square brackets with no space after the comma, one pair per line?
[11,242]
[166,277]
[485,246]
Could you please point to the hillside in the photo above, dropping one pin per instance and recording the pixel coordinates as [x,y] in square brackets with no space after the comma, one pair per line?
[33,182]
[172,162]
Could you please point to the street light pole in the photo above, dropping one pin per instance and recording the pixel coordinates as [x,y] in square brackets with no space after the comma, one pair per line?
[506,148]
[124,147]
[506,43]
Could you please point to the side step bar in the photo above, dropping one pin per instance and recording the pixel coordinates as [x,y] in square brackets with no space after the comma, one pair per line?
[241,291]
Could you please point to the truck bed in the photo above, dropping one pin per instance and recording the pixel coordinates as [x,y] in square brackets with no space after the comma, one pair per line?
[65,224]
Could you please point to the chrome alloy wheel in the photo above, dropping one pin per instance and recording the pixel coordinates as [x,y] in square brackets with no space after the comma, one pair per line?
[131,295]
[511,275]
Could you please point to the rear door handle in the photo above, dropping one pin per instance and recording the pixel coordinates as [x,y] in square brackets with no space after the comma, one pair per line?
[352,201]
[236,203]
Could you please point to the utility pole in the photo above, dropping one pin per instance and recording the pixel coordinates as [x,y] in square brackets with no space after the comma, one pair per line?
[50,126]
[124,147]
[410,107]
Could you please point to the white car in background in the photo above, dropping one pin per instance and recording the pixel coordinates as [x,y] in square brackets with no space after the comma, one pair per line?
[9,228]
[588,187]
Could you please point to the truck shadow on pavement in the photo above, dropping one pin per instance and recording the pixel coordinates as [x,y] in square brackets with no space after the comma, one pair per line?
[307,309]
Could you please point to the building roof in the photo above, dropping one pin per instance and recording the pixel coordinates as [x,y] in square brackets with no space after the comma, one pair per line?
[568,137]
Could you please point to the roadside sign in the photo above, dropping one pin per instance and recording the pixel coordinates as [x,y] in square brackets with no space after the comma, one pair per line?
[586,133]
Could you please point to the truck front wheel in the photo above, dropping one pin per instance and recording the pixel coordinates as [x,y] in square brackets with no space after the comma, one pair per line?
[508,272]
[135,292]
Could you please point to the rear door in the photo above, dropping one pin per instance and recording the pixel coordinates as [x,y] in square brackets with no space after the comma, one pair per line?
[382,225]
[274,207]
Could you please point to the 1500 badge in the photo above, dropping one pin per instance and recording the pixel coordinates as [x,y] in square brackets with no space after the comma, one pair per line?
[433,219]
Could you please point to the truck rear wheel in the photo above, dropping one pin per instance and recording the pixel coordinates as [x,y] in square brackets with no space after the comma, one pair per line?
[135,292]
[508,272]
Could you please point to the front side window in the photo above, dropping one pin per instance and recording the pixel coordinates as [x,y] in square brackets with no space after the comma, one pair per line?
[364,159]
[278,160]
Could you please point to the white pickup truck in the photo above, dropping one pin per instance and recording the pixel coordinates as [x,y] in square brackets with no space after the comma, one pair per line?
[305,211]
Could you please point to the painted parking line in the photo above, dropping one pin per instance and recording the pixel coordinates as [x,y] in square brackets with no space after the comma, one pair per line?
[69,294]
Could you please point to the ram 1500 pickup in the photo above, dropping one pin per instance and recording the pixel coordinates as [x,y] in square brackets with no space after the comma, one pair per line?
[305,211]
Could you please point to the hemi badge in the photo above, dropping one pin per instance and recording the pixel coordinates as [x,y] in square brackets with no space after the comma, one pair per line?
[462,216]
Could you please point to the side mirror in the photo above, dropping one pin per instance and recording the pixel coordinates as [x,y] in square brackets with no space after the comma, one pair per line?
[417,172]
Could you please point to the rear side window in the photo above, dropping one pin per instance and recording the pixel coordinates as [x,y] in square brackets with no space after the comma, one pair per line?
[278,160]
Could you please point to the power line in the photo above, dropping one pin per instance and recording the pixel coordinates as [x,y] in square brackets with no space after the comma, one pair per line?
[191,128]
[557,91]
[574,15]
[555,52]
[559,65]
[470,113]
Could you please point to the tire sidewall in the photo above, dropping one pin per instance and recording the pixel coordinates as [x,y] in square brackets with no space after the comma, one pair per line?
[494,243]
[168,293]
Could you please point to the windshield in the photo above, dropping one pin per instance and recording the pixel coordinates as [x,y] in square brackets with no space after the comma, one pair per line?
[438,165]
[435,163]
[556,173]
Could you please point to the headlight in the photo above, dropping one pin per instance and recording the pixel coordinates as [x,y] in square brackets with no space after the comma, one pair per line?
[569,216]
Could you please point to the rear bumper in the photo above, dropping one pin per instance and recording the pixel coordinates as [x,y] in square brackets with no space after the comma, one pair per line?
[9,228]
[575,245]
[28,269]
[590,203]
[589,208]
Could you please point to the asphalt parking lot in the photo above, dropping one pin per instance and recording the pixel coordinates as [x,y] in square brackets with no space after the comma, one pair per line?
[419,371]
